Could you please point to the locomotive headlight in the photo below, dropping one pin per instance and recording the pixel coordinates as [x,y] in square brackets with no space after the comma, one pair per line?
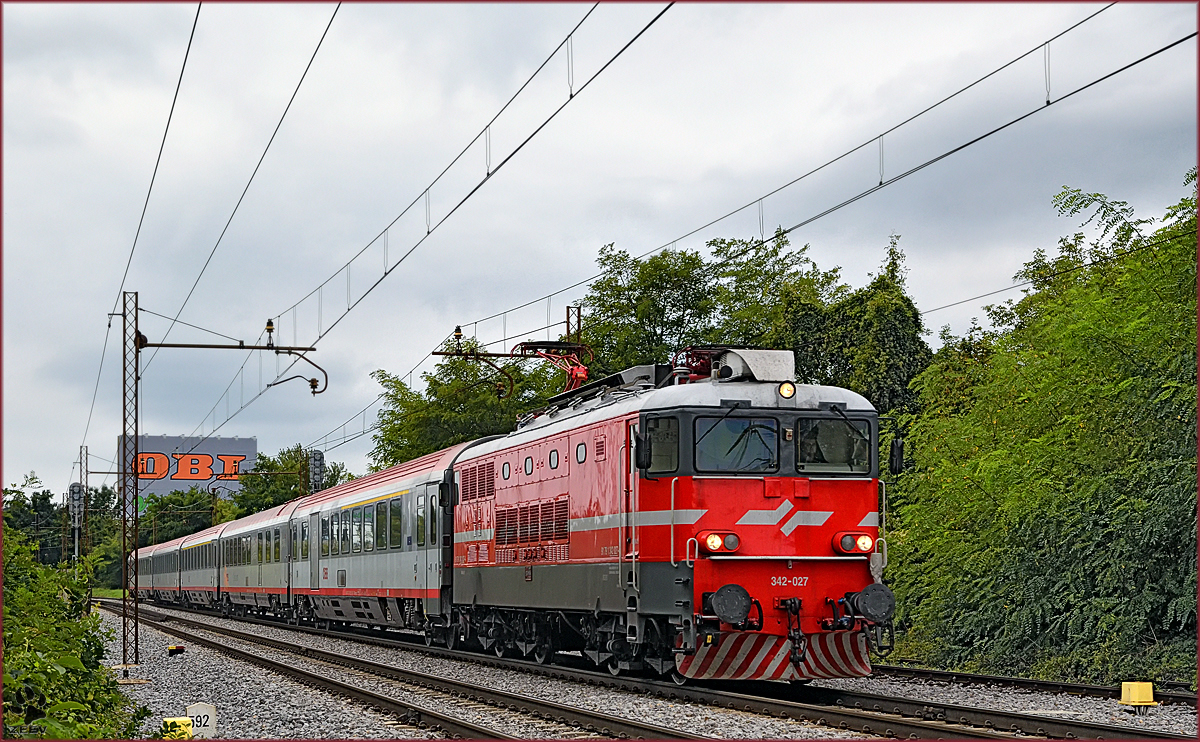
[787,390]
[713,542]
[847,543]
[865,542]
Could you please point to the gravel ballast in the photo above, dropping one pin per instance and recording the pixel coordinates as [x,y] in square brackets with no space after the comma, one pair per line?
[694,718]
[251,702]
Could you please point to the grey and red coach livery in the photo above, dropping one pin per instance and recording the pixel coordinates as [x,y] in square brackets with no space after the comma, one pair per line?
[711,519]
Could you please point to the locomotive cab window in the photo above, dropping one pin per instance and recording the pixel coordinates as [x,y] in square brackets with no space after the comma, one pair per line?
[662,435]
[737,444]
[833,445]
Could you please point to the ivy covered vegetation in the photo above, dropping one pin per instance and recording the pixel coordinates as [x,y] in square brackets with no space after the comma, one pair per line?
[1046,524]
[55,686]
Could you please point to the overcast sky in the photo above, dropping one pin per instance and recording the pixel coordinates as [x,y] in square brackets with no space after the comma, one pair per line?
[711,108]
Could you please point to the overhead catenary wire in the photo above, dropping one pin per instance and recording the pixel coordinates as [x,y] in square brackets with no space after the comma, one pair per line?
[905,174]
[186,324]
[245,190]
[819,168]
[434,226]
[137,233]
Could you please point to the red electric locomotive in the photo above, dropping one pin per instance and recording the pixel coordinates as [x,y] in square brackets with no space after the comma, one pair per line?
[711,520]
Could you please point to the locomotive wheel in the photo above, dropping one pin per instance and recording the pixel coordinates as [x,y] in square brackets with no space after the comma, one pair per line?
[614,668]
[677,678]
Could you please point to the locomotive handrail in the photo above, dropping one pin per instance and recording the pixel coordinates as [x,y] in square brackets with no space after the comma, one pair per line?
[687,551]
[789,558]
[673,483]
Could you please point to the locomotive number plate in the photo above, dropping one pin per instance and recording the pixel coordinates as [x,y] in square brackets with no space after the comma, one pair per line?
[786,580]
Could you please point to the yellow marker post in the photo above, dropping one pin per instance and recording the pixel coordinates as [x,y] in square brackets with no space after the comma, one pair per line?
[178,727]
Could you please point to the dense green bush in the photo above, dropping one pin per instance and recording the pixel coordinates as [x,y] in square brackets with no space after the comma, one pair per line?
[1049,525]
[54,684]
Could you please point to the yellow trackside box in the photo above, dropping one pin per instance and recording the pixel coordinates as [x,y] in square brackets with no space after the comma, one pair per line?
[1137,694]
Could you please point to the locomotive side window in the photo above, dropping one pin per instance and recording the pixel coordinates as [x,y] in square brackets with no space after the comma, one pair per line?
[421,520]
[737,444]
[662,435]
[381,525]
[528,465]
[345,532]
[505,470]
[580,454]
[335,520]
[325,536]
[552,459]
[397,524]
[356,530]
[833,445]
[304,539]
[368,528]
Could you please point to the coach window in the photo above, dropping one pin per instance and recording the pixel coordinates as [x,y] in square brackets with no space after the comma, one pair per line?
[293,550]
[345,532]
[368,528]
[662,435]
[381,525]
[396,524]
[421,520]
[433,520]
[270,543]
[325,536]
[277,545]
[304,539]
[334,522]
[260,545]
[356,531]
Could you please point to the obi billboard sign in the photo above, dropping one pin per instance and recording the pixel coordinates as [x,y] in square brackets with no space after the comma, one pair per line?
[169,463]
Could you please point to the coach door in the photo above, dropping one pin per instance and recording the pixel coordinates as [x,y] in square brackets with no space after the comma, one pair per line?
[314,550]
[427,521]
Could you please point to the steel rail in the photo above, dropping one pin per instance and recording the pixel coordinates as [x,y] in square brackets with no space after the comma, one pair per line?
[586,719]
[868,713]
[866,722]
[409,712]
[1050,686]
[1010,721]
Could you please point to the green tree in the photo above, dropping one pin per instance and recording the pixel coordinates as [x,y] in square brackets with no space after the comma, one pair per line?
[643,311]
[1049,526]
[30,509]
[460,403]
[180,513]
[868,340]
[282,483]
[54,684]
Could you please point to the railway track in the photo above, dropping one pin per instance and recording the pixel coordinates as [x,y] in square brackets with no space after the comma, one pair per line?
[860,712]
[1048,686]
[554,720]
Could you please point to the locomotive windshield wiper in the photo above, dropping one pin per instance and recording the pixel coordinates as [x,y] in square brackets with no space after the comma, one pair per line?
[841,414]
[718,422]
